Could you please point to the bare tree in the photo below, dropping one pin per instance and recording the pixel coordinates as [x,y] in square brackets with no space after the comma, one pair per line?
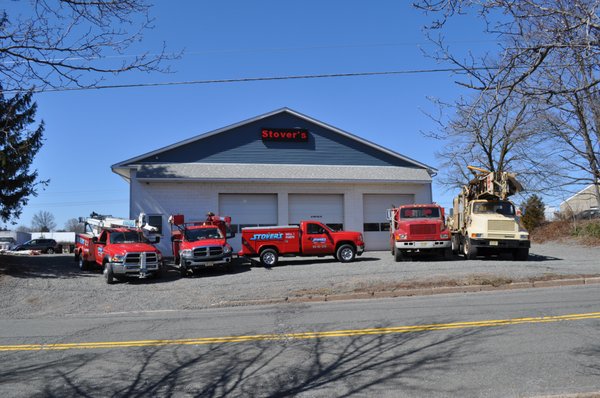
[548,53]
[43,221]
[73,225]
[59,43]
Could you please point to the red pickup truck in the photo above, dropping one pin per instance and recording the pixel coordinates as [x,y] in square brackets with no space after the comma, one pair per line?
[201,244]
[311,238]
[121,252]
[417,229]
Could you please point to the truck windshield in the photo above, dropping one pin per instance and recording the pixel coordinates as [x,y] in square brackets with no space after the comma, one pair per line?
[125,237]
[192,235]
[420,212]
[504,208]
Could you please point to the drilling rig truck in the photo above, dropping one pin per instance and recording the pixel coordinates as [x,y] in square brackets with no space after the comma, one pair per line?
[484,222]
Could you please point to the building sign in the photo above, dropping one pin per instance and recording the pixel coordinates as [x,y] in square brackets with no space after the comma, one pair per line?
[284,135]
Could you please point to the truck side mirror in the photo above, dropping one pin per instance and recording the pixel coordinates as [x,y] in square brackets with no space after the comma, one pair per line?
[230,234]
[95,239]
[156,240]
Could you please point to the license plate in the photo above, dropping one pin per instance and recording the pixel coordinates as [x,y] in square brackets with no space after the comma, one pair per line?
[209,264]
[493,243]
[421,244]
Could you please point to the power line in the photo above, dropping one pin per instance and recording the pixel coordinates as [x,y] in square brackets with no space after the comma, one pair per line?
[251,79]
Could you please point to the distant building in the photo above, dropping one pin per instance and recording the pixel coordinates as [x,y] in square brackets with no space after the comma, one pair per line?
[582,200]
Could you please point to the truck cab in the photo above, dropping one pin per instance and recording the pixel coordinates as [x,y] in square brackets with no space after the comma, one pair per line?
[417,229]
[201,244]
[492,226]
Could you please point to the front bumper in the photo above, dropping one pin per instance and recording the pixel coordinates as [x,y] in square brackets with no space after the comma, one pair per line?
[423,244]
[499,244]
[360,250]
[121,269]
[202,262]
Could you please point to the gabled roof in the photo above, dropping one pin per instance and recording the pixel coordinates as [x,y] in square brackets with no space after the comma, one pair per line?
[122,168]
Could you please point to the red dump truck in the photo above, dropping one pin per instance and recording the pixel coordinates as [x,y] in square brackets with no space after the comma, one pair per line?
[310,238]
[417,229]
[201,244]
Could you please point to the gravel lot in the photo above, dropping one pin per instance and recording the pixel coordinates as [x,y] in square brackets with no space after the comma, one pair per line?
[51,285]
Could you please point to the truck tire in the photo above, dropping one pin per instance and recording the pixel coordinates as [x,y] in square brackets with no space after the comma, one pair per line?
[521,254]
[398,256]
[108,274]
[82,263]
[346,253]
[269,258]
[455,244]
[469,251]
[50,251]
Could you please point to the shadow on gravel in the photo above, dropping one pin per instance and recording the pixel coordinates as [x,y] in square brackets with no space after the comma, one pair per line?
[292,261]
[369,365]
[42,266]
[540,258]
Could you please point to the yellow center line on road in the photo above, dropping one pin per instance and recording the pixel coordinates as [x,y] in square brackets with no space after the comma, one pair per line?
[300,335]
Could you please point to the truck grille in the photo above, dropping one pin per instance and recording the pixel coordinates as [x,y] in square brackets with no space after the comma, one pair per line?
[422,229]
[501,225]
[134,258]
[208,251]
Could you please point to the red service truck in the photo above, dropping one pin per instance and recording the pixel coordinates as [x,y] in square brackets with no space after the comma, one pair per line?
[311,238]
[201,244]
[120,247]
[418,229]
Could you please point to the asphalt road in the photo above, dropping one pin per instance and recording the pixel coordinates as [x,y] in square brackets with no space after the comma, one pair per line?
[317,350]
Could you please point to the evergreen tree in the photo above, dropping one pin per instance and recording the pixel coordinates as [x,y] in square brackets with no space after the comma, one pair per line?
[533,212]
[18,147]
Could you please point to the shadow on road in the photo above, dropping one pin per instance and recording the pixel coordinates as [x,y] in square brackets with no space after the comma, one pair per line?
[365,365]
[42,266]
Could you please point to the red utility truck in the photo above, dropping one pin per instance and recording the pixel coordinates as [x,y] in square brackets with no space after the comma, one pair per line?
[120,247]
[416,229]
[311,238]
[201,244]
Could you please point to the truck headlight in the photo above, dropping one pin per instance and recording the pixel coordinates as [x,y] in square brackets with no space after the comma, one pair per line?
[159,256]
[226,249]
[524,236]
[401,236]
[476,235]
[117,259]
[186,253]
[443,236]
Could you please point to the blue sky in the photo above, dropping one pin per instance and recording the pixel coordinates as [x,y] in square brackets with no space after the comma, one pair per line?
[88,131]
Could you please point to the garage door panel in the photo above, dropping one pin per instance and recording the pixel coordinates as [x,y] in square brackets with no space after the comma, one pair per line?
[376,226]
[326,208]
[248,210]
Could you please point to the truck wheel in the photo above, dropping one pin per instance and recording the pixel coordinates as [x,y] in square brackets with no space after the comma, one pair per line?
[269,258]
[398,256]
[108,274]
[455,244]
[50,251]
[521,254]
[346,253]
[81,263]
[469,251]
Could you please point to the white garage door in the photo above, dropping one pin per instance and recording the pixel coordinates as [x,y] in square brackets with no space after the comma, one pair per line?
[376,226]
[328,209]
[248,210]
